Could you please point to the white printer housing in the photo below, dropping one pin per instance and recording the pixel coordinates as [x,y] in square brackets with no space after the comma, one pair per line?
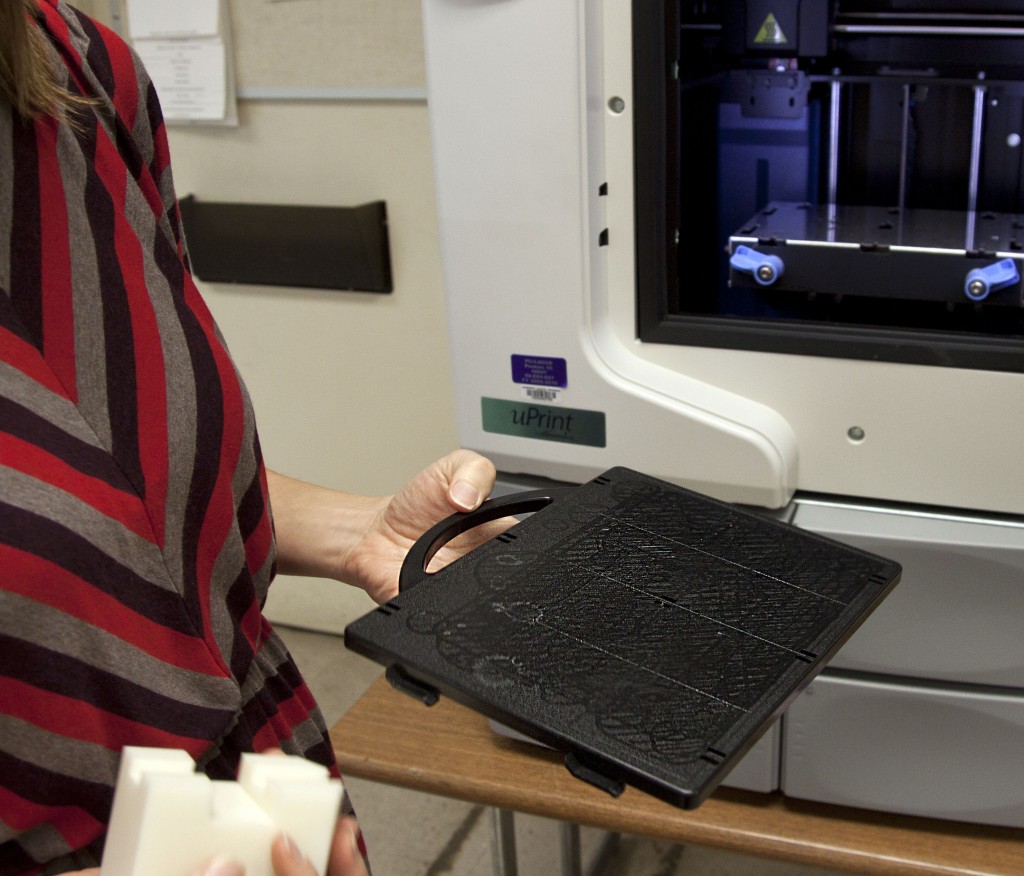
[533,114]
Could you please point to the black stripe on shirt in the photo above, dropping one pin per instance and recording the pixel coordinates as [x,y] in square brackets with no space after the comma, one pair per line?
[57,543]
[58,673]
[26,424]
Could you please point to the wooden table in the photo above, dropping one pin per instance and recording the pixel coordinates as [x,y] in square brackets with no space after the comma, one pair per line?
[449,750]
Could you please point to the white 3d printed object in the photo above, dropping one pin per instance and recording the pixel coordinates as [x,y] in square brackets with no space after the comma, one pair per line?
[168,819]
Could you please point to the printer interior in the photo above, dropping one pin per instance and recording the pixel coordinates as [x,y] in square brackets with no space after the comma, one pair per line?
[833,177]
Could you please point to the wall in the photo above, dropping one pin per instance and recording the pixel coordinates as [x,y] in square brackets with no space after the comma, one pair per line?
[352,390]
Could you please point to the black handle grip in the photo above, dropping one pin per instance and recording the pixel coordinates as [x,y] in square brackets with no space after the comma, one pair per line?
[414,568]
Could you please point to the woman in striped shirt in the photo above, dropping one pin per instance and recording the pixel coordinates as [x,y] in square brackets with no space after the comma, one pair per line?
[139,527]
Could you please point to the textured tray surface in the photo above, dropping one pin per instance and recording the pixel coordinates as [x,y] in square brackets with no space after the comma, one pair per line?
[648,629]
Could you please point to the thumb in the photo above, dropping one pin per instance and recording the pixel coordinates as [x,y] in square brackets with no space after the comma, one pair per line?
[221,865]
[470,478]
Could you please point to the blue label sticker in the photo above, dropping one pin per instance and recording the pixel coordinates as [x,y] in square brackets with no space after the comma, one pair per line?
[540,371]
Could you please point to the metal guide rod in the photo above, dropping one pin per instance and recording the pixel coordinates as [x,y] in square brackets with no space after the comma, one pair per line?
[833,152]
[904,146]
[977,124]
[927,30]
[976,131]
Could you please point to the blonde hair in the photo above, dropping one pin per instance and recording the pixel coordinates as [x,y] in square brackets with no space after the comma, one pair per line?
[28,77]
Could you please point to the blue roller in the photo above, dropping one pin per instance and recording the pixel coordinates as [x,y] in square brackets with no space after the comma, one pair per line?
[981,282]
[765,269]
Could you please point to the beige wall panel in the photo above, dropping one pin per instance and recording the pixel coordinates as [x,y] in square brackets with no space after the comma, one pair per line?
[352,390]
[327,43]
[98,9]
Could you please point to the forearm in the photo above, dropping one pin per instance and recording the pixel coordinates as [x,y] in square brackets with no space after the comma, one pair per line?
[316,528]
[364,540]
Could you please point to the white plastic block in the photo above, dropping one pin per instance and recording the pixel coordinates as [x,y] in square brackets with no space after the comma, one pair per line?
[168,819]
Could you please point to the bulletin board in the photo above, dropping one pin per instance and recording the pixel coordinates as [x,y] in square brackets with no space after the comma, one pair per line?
[287,45]
[328,43]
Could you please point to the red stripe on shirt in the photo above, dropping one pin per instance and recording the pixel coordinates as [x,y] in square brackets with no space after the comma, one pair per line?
[75,825]
[58,308]
[288,714]
[36,462]
[59,28]
[259,542]
[151,387]
[75,719]
[126,100]
[218,522]
[23,356]
[49,584]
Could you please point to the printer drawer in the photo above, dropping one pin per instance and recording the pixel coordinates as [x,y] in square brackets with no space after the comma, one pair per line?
[759,768]
[955,615]
[901,748]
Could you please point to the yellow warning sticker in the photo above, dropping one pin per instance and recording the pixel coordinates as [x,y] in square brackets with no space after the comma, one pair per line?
[770,33]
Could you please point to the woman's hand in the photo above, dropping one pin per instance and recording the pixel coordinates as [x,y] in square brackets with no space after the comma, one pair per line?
[459,481]
[363,540]
[344,858]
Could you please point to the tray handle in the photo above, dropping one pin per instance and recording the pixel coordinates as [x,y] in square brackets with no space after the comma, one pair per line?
[414,567]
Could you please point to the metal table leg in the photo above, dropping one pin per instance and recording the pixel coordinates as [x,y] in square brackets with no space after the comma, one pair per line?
[572,863]
[503,840]
[605,853]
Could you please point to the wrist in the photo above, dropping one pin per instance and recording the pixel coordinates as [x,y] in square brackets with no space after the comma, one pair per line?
[317,529]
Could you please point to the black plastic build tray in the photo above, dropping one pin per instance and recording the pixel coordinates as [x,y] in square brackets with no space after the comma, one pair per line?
[648,632]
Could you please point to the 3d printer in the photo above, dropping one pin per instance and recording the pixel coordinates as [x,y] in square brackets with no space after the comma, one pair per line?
[772,251]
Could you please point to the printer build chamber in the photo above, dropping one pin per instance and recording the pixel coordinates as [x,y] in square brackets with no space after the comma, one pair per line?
[770,250]
[846,176]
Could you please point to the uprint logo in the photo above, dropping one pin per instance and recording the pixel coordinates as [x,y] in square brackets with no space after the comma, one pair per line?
[544,421]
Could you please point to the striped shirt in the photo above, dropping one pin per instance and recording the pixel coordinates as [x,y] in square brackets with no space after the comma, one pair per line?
[136,542]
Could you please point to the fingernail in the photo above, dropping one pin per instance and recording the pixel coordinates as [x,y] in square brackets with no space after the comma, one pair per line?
[465,495]
[222,865]
[355,842]
[291,850]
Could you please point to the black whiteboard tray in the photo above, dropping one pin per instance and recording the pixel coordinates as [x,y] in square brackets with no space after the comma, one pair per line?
[648,632]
